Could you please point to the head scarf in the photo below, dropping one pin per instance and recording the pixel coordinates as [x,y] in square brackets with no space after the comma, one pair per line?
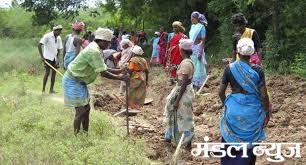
[245,47]
[104,34]
[202,19]
[185,44]
[126,42]
[179,25]
[157,33]
[195,14]
[78,26]
[137,50]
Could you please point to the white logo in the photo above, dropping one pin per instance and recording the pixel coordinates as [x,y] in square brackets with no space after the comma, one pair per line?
[209,149]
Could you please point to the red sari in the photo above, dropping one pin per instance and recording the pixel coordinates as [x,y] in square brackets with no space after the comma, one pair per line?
[174,51]
[162,48]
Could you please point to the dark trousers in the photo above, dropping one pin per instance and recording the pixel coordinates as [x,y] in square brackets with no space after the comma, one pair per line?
[81,117]
[48,69]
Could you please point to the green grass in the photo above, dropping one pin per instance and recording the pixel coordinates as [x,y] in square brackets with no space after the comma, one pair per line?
[41,133]
[34,133]
[20,55]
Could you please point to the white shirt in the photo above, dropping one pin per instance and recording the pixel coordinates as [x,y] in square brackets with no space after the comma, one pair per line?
[69,43]
[51,45]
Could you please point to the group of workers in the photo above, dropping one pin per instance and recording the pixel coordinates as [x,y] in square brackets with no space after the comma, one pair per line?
[247,108]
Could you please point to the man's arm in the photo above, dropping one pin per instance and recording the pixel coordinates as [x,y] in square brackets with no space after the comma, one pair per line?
[57,57]
[77,42]
[109,75]
[114,71]
[64,47]
[40,51]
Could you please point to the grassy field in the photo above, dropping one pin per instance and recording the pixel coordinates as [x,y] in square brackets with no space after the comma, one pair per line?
[38,130]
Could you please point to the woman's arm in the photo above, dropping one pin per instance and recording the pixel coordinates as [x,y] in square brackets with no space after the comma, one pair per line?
[222,90]
[185,82]
[264,98]
[202,35]
[147,76]
[77,42]
[224,84]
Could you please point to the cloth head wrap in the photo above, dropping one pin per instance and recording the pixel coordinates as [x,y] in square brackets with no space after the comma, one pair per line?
[195,14]
[203,19]
[245,47]
[137,50]
[78,26]
[157,33]
[179,25]
[126,42]
[103,34]
[186,44]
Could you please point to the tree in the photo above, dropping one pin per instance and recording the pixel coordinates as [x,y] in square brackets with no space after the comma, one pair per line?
[47,10]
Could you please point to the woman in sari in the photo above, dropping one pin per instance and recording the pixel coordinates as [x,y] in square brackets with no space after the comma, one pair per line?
[126,55]
[197,34]
[138,69]
[241,31]
[175,57]
[247,107]
[162,46]
[178,109]
[155,49]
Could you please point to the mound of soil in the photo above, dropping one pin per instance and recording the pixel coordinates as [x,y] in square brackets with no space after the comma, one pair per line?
[106,102]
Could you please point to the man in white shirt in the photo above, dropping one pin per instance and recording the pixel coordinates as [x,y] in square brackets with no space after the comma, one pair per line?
[51,43]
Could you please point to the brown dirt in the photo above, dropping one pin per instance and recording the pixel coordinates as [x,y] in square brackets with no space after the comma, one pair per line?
[289,104]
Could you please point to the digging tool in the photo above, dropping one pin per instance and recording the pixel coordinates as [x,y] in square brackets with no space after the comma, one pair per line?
[132,112]
[127,106]
[178,149]
[199,91]
[57,71]
[174,123]
[148,101]
[118,98]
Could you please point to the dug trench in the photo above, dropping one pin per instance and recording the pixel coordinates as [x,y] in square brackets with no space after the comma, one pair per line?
[288,123]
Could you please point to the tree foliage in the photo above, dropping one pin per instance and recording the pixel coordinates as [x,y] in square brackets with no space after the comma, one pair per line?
[280,24]
[47,10]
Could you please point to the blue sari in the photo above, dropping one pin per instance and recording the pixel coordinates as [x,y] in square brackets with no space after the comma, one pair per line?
[243,117]
[155,50]
[198,31]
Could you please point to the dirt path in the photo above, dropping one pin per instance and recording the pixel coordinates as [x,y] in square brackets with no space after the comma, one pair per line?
[287,125]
